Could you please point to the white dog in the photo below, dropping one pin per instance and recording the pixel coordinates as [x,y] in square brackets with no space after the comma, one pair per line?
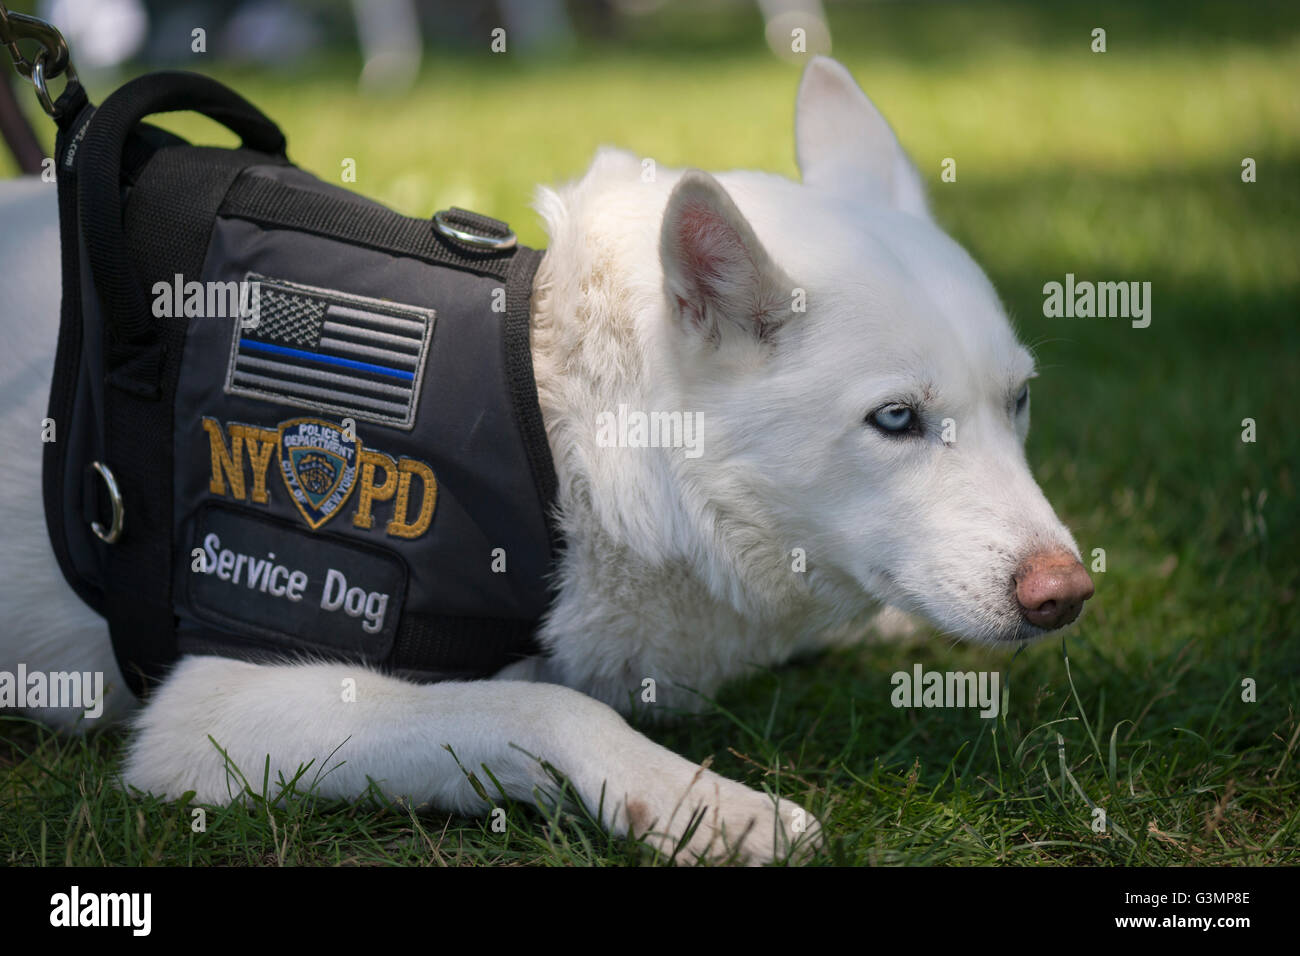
[864,405]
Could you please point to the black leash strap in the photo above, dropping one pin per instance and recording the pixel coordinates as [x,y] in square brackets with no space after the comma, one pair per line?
[59,511]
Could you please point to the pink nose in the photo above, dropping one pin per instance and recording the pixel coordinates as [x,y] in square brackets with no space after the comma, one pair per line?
[1051,587]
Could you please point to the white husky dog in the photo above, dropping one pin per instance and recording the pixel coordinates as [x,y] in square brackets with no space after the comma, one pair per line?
[864,406]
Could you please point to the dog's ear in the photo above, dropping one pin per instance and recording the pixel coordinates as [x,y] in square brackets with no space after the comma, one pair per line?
[719,280]
[844,145]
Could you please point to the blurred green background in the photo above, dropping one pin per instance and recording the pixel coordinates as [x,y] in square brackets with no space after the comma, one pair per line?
[1123,165]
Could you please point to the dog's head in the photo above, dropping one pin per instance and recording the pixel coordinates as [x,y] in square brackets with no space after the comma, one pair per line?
[859,379]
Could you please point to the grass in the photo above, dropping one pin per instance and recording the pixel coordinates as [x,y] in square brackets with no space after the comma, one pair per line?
[1123,165]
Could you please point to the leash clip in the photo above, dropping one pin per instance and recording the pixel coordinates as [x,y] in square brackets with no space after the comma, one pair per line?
[51,61]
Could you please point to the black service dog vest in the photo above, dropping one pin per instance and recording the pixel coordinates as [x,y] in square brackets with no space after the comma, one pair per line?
[290,422]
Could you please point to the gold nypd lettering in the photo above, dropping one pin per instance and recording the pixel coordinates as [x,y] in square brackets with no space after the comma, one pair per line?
[240,452]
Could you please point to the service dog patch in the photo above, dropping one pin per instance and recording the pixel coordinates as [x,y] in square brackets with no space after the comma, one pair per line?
[330,351]
[260,572]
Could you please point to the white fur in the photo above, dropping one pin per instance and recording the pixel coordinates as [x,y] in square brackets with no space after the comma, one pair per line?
[669,295]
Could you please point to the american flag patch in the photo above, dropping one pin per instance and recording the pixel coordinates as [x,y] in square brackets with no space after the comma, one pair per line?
[330,351]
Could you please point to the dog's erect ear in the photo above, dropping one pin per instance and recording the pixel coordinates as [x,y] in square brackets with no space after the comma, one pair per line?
[719,280]
[845,146]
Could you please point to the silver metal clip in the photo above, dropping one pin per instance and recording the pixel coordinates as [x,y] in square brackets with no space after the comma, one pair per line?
[51,61]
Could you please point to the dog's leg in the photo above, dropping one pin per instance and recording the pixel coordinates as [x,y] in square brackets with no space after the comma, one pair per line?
[356,724]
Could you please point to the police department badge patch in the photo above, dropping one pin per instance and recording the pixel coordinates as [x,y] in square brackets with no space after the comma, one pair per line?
[318,462]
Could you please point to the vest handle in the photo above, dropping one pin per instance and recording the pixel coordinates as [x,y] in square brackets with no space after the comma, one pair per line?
[129,320]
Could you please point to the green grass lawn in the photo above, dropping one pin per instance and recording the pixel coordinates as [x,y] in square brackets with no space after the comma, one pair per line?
[1117,166]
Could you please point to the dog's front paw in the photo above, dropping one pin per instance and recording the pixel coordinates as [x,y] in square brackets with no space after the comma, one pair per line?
[717,820]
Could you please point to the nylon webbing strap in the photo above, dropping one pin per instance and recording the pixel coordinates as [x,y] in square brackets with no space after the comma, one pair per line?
[523,384]
[267,202]
[75,113]
[460,646]
[137,581]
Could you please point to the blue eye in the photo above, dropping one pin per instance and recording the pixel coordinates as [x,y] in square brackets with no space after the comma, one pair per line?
[894,419]
[1022,399]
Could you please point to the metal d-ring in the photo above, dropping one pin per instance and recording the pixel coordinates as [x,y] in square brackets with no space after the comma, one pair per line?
[443,225]
[115,498]
[42,91]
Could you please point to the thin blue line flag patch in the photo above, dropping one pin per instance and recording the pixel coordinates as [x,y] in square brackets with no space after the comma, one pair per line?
[330,351]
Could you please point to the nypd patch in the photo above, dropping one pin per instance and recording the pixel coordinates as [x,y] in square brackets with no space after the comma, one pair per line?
[321,463]
[318,462]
